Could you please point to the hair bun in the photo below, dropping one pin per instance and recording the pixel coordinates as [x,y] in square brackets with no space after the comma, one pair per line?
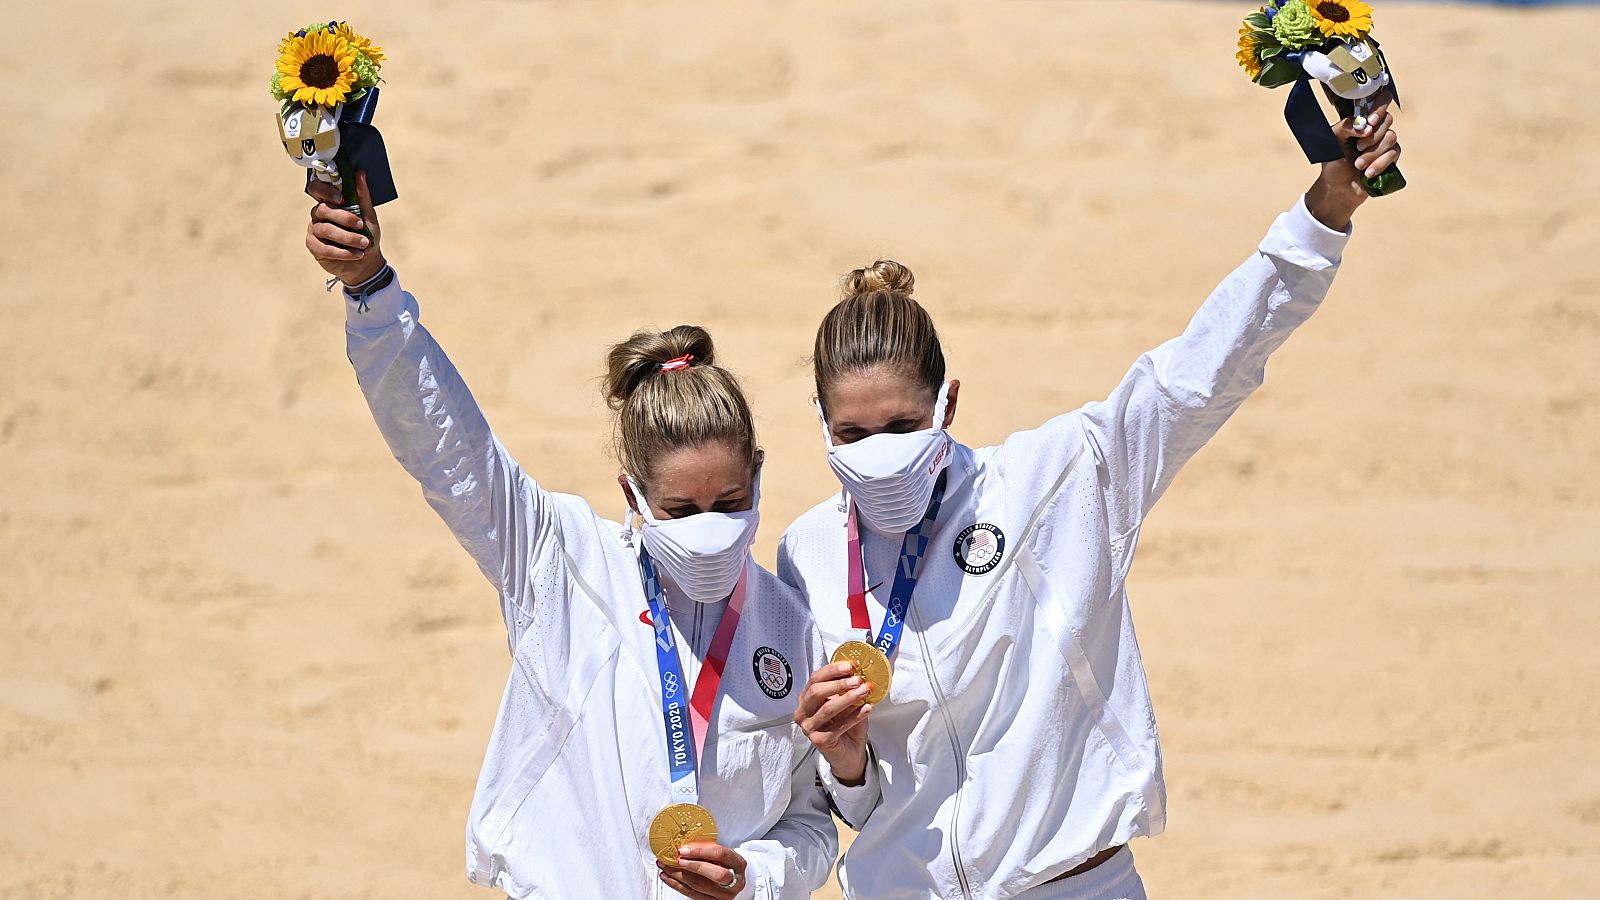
[636,360]
[883,275]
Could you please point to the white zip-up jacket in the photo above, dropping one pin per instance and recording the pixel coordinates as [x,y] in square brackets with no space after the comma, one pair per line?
[1018,738]
[577,765]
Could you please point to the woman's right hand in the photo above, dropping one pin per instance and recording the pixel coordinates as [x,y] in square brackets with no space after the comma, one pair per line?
[833,713]
[334,235]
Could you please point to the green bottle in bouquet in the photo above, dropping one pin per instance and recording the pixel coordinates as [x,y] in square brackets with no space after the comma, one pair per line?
[1389,180]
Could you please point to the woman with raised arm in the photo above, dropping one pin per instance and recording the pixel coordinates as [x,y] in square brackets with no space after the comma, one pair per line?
[986,724]
[645,739]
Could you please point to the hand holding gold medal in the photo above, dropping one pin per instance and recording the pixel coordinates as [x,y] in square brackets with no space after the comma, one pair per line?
[860,673]
[870,665]
[679,824]
[683,838]
[836,702]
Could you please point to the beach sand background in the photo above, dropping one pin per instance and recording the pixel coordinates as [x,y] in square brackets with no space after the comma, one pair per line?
[242,659]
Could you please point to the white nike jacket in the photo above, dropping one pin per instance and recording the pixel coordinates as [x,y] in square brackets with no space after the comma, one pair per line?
[577,764]
[1018,738]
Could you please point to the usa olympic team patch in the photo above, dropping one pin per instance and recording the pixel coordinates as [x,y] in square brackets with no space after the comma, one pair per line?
[772,673]
[979,548]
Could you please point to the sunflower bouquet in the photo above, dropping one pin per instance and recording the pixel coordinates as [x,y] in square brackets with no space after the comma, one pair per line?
[326,79]
[1292,42]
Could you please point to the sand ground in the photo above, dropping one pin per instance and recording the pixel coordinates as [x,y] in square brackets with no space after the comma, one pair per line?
[241,658]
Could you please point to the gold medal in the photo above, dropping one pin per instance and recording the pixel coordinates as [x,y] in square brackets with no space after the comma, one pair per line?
[679,824]
[871,665]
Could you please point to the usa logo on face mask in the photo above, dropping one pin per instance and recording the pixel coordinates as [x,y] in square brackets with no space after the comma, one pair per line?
[979,547]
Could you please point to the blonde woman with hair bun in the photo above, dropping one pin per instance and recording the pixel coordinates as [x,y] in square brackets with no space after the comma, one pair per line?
[1004,743]
[645,745]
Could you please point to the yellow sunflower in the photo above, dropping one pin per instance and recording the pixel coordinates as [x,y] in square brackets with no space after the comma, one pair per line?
[364,45]
[1247,55]
[318,69]
[1342,18]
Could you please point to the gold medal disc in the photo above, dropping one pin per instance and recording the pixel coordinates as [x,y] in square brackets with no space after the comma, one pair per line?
[679,824]
[871,665]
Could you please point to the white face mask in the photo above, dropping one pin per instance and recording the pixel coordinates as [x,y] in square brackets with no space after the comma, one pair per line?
[891,476]
[703,555]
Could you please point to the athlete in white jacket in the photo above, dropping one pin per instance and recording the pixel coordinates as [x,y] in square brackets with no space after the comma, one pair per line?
[616,690]
[1016,752]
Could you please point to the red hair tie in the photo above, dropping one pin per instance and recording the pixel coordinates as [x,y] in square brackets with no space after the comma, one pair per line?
[682,362]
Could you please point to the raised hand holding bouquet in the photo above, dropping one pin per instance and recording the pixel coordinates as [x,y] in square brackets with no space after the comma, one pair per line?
[327,79]
[1293,41]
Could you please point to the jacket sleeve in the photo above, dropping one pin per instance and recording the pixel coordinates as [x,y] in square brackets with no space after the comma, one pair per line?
[794,858]
[1178,395]
[853,804]
[439,435]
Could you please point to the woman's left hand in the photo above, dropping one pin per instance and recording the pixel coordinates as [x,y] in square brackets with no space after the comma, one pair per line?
[704,870]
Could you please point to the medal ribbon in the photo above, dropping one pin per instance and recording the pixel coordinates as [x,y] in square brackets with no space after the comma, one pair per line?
[688,718]
[912,550]
[857,601]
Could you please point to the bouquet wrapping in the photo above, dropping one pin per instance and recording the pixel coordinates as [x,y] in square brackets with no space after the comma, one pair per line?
[1292,42]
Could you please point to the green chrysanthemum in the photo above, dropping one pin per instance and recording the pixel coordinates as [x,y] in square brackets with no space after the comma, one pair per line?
[1295,27]
[366,71]
[278,93]
[315,27]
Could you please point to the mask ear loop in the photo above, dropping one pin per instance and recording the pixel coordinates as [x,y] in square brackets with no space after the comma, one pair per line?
[827,443]
[755,489]
[827,436]
[630,518]
[939,406]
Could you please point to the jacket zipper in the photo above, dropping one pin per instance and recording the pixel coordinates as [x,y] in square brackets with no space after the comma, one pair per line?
[949,722]
[938,692]
[955,750]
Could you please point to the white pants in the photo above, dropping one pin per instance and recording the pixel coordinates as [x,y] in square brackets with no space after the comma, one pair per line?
[1114,879]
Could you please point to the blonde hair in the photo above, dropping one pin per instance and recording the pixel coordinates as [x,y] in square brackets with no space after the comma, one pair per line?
[876,323]
[690,402]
